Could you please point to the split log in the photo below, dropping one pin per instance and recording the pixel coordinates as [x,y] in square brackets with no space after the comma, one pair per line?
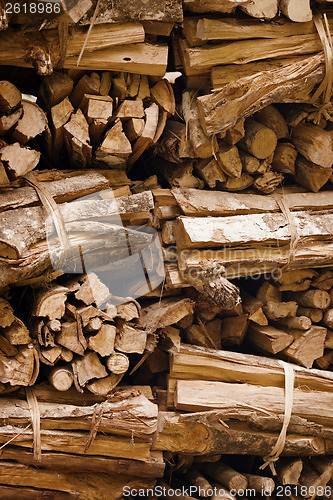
[18,160]
[314,143]
[238,230]
[269,338]
[151,468]
[10,97]
[226,476]
[198,395]
[214,203]
[77,140]
[307,346]
[32,123]
[296,10]
[220,110]
[197,363]
[284,158]
[91,485]
[54,89]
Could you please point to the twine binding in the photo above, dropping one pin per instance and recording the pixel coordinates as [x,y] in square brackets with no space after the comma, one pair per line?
[289,380]
[35,420]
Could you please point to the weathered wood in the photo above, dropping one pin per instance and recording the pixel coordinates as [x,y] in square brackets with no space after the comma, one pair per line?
[54,89]
[10,96]
[289,470]
[61,378]
[284,158]
[218,231]
[314,143]
[201,203]
[221,110]
[269,338]
[92,486]
[151,468]
[307,346]
[226,476]
[259,140]
[198,395]
[18,160]
[199,363]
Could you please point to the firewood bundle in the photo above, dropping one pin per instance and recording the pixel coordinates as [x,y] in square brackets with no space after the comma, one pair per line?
[84,126]
[121,39]
[257,152]
[225,479]
[77,454]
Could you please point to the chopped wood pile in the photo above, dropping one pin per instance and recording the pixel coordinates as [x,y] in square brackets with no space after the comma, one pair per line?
[166,252]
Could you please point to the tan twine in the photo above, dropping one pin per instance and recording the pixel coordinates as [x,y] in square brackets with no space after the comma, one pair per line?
[326,86]
[289,380]
[294,236]
[35,420]
[51,207]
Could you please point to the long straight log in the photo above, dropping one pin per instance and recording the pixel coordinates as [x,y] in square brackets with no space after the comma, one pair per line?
[199,203]
[151,468]
[198,363]
[201,395]
[257,229]
[62,190]
[106,445]
[88,486]
[202,433]
[244,51]
[130,412]
[223,109]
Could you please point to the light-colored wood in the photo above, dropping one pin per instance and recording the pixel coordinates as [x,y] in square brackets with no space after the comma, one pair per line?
[199,363]
[229,161]
[221,75]
[221,110]
[129,338]
[259,140]
[272,118]
[103,341]
[312,177]
[237,28]
[203,146]
[296,322]
[61,378]
[284,158]
[217,231]
[244,51]
[314,143]
[277,310]
[260,483]
[328,319]
[210,172]
[214,203]
[88,367]
[315,315]
[296,10]
[318,299]
[21,369]
[307,346]
[32,123]
[198,395]
[77,140]
[117,363]
[18,160]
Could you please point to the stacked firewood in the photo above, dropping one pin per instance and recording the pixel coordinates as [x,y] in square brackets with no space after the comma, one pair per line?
[119,39]
[107,444]
[219,479]
[84,126]
[257,152]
